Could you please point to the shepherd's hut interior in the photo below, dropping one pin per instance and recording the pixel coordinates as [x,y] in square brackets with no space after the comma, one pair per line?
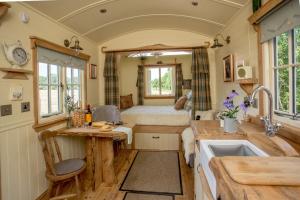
[150,100]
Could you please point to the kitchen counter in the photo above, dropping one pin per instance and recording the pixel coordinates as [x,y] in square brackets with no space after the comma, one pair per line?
[227,188]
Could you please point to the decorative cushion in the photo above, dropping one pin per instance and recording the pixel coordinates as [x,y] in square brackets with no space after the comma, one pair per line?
[126,101]
[180,103]
[68,166]
[188,105]
[189,95]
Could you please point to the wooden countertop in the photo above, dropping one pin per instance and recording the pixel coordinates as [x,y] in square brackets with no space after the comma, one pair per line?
[92,132]
[228,189]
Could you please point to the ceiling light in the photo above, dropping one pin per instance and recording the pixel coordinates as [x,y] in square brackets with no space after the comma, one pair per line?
[103,10]
[194,3]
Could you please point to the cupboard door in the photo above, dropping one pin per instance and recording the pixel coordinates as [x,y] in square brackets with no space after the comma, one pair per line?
[198,184]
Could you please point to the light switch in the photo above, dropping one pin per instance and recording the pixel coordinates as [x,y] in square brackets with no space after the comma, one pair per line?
[25,106]
[6,110]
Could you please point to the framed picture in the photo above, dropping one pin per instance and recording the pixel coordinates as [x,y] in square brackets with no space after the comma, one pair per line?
[93,71]
[228,68]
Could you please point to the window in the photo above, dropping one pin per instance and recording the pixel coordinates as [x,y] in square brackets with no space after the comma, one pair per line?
[160,81]
[287,73]
[74,83]
[49,89]
[52,79]
[59,72]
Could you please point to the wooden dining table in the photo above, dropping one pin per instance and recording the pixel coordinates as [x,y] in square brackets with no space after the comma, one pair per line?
[99,154]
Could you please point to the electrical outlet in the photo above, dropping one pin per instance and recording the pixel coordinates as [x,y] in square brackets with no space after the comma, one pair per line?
[25,106]
[6,110]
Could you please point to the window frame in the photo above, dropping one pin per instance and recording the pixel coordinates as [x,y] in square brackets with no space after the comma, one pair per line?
[39,123]
[60,92]
[291,66]
[174,81]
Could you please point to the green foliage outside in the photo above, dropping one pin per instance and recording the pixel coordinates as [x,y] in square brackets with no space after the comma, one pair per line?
[166,83]
[283,74]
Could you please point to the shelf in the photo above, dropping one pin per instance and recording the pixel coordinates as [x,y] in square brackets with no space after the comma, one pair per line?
[247,85]
[15,73]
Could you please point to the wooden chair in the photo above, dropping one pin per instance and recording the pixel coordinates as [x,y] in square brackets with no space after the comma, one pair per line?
[62,170]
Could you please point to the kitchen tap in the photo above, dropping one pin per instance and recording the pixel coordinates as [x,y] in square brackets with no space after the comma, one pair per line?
[270,127]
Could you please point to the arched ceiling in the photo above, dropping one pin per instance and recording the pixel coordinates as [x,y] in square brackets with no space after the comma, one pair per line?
[125,16]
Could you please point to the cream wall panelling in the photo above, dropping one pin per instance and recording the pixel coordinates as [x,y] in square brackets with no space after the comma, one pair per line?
[22,162]
[243,45]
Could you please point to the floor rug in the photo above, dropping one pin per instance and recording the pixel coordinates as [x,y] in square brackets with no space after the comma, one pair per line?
[154,172]
[137,196]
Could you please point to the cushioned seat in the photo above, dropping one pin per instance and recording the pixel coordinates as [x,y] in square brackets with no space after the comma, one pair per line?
[68,166]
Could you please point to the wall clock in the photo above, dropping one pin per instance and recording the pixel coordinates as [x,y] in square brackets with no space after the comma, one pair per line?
[16,54]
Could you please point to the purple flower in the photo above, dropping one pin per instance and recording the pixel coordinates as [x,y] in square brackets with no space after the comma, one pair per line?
[233,94]
[228,103]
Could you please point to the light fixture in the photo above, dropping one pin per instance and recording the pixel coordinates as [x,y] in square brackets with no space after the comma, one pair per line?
[103,10]
[76,46]
[156,54]
[194,3]
[217,44]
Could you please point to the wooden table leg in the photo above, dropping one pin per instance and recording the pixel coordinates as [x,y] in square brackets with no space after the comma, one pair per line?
[108,171]
[98,177]
[90,166]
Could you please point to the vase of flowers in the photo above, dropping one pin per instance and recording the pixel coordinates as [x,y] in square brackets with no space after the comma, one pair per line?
[230,115]
[70,106]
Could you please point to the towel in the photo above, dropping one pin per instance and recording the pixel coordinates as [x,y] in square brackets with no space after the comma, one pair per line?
[126,130]
[188,143]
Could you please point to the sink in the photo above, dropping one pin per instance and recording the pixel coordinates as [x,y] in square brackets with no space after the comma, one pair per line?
[231,150]
[221,148]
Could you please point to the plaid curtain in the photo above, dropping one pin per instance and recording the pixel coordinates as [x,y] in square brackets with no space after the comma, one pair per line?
[179,81]
[140,85]
[200,82]
[111,80]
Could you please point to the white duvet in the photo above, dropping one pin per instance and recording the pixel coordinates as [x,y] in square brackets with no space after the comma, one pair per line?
[156,115]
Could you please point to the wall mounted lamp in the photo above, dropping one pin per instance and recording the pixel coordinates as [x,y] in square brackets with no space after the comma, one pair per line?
[217,44]
[76,45]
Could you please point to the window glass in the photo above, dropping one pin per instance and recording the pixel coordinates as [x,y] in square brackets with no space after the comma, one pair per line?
[282,49]
[159,81]
[76,77]
[297,44]
[43,73]
[54,99]
[166,81]
[153,81]
[283,89]
[43,100]
[298,90]
[68,75]
[54,74]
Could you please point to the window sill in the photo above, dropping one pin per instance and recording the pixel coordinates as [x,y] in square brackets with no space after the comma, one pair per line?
[159,97]
[40,126]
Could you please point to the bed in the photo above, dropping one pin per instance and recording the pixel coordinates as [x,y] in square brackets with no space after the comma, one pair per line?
[156,115]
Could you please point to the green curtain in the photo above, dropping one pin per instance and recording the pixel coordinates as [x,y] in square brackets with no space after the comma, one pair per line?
[200,81]
[140,85]
[111,80]
[179,80]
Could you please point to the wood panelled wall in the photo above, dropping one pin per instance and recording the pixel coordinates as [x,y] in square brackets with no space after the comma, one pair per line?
[22,162]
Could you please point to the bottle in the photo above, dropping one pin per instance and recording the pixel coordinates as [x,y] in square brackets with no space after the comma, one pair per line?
[88,115]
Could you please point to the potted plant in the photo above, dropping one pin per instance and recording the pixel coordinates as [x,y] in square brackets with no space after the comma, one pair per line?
[230,115]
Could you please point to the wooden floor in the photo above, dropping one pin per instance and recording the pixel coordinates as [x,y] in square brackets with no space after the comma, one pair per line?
[122,164]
